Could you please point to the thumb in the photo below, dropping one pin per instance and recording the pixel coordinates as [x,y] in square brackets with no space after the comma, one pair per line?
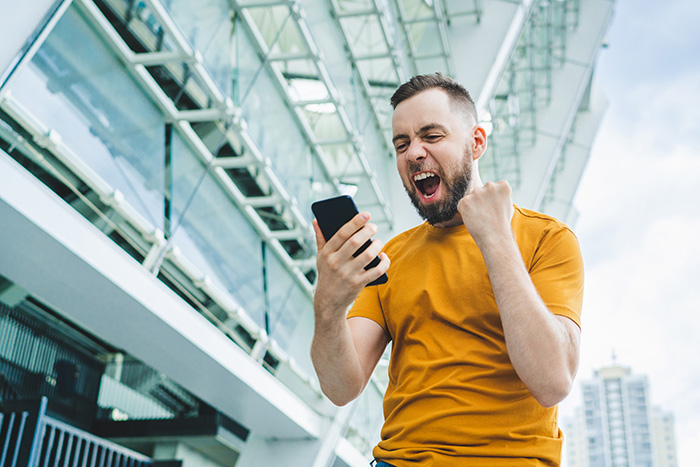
[320,240]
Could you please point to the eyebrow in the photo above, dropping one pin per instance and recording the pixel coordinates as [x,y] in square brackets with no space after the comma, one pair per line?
[423,130]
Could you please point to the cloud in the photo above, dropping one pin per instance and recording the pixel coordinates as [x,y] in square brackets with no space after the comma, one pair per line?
[639,215]
[638,230]
[643,303]
[666,113]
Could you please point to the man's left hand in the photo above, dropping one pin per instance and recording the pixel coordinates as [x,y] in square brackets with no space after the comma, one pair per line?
[487,212]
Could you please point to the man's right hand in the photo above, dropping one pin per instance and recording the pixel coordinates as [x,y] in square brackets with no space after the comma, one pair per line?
[341,276]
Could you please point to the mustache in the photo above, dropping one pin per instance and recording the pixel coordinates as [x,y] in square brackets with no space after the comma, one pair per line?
[414,167]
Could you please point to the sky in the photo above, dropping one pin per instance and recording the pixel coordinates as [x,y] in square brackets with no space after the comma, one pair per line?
[639,222]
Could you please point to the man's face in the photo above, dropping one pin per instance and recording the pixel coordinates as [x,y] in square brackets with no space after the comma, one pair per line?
[433,154]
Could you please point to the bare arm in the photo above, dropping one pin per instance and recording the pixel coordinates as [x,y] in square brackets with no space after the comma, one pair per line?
[345,358]
[543,347]
[345,351]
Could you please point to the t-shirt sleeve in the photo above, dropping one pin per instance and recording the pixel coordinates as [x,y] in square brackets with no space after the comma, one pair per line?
[557,272]
[368,305]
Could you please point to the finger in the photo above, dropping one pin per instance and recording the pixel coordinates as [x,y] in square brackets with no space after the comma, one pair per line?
[374,273]
[504,186]
[372,251]
[357,240]
[320,240]
[347,230]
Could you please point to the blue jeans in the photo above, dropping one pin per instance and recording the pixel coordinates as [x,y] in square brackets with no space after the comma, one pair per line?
[380,464]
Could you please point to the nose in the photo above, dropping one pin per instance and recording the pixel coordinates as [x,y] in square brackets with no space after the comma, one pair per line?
[415,151]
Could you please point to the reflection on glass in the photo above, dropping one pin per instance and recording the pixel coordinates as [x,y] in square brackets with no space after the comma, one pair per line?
[77,87]
[212,233]
[268,119]
[208,25]
[287,303]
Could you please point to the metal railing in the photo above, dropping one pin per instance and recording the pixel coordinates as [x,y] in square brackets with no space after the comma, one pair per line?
[31,438]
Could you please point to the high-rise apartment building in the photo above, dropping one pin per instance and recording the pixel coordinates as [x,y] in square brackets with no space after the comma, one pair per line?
[158,159]
[617,426]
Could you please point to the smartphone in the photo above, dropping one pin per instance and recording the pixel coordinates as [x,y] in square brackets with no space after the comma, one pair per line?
[332,214]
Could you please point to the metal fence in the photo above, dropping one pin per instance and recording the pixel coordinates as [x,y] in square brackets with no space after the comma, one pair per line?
[31,438]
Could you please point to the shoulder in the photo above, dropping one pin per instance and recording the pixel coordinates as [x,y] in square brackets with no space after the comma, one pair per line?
[527,221]
[539,233]
[407,237]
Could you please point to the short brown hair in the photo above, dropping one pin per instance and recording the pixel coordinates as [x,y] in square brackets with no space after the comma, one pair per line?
[419,83]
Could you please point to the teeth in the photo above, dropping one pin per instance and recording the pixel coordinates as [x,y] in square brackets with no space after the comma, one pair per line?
[423,176]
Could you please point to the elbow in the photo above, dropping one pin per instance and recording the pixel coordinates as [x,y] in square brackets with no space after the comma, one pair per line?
[340,402]
[339,399]
[550,400]
[553,392]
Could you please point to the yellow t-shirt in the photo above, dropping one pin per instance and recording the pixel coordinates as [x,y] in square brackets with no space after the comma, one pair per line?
[453,396]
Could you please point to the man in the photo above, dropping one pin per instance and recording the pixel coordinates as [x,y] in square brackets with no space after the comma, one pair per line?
[482,304]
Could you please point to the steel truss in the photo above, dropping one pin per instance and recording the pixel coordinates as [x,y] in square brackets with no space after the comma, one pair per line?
[526,85]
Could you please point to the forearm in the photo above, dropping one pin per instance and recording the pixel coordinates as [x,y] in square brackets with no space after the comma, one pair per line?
[344,355]
[335,358]
[542,348]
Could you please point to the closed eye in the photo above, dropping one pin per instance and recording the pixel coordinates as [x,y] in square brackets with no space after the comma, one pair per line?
[433,137]
[400,146]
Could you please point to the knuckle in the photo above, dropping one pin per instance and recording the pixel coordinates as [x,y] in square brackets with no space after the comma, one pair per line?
[374,249]
[334,264]
[358,221]
[342,234]
[321,259]
[354,242]
[368,255]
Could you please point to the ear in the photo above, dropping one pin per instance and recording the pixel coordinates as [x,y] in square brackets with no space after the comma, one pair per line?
[479,142]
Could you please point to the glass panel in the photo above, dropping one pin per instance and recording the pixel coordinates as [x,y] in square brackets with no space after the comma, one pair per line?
[208,25]
[325,123]
[341,160]
[431,65]
[302,81]
[212,233]
[353,6]
[288,302]
[229,55]
[278,29]
[427,41]
[365,35]
[269,119]
[379,72]
[71,85]
[413,9]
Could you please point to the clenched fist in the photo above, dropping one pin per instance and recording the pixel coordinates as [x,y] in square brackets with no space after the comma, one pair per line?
[487,212]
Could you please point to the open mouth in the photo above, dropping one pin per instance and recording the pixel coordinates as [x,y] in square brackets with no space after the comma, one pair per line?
[427,183]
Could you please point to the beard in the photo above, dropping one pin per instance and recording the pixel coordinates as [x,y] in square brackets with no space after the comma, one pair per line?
[455,186]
